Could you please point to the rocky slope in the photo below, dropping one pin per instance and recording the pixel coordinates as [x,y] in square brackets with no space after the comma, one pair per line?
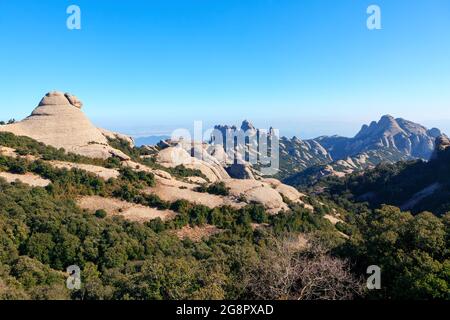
[269,192]
[58,121]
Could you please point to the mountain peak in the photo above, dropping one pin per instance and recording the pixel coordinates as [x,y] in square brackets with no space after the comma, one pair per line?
[58,121]
[246,125]
[387,125]
[387,122]
[57,98]
[387,116]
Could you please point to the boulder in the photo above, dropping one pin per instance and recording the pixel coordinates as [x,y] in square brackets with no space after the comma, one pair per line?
[115,135]
[171,157]
[254,191]
[441,144]
[73,100]
[55,98]
[288,192]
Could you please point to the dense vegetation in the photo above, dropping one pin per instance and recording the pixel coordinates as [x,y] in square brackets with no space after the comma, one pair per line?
[43,231]
[412,251]
[27,146]
[396,184]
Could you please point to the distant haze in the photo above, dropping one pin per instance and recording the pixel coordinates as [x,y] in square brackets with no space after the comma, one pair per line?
[303,130]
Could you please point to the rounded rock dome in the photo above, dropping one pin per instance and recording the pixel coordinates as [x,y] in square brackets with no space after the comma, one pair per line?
[54,98]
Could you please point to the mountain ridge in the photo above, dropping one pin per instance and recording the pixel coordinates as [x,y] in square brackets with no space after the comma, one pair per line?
[414,186]
[389,139]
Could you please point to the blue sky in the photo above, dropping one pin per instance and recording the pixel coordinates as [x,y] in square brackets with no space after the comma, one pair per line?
[307,67]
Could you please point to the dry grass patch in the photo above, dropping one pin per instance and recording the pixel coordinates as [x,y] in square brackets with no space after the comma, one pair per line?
[130,211]
[197,233]
[12,153]
[259,226]
[332,219]
[8,152]
[173,193]
[101,172]
[27,178]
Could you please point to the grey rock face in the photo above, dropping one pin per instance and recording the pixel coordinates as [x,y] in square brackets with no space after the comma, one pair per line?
[388,140]
[411,139]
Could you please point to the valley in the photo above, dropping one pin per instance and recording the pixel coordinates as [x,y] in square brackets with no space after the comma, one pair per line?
[157,222]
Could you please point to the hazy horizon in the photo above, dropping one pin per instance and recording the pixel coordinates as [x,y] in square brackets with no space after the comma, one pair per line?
[322,128]
[303,129]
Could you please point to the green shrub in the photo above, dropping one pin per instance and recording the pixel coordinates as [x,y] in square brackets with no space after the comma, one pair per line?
[181,171]
[100,213]
[217,188]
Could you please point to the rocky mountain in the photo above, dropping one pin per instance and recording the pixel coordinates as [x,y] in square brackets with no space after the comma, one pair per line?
[388,140]
[414,185]
[116,209]
[130,216]
[182,170]
[58,121]
[411,139]
[297,155]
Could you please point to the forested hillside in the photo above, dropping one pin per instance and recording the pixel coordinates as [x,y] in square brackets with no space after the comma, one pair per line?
[415,185]
[43,231]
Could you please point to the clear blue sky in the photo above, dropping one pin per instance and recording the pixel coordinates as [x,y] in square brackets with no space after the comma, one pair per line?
[308,67]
